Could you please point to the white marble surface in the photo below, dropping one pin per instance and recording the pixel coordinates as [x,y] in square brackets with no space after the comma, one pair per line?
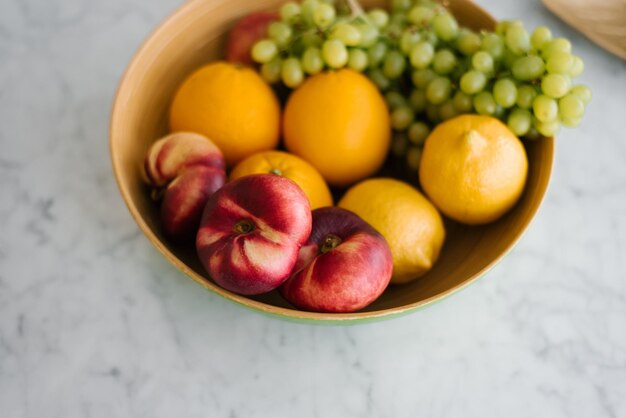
[94,323]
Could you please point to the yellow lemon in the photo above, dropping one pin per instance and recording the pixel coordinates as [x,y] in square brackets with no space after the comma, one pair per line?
[473,168]
[409,222]
[292,167]
[231,105]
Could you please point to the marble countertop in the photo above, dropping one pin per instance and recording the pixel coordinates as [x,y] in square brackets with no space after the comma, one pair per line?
[95,323]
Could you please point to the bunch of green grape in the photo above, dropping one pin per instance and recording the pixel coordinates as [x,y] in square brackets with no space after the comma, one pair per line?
[316,35]
[429,68]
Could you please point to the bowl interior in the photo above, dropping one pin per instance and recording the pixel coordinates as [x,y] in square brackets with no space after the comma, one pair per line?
[194,35]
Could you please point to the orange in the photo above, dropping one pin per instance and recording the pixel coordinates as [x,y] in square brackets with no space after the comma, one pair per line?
[232,106]
[409,222]
[473,168]
[338,121]
[292,167]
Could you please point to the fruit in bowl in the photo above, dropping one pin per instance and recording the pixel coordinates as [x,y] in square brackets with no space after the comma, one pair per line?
[184,44]
[251,232]
[344,266]
[245,34]
[232,106]
[294,168]
[184,169]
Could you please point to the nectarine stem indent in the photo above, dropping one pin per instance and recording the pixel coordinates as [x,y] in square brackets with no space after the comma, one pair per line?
[330,242]
[243,227]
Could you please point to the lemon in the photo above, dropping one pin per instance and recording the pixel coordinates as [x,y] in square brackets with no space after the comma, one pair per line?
[409,222]
[473,168]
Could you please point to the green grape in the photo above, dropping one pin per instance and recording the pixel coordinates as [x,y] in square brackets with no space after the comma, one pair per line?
[291,72]
[421,15]
[408,39]
[422,54]
[533,134]
[357,59]
[289,10]
[394,99]
[540,36]
[505,92]
[398,19]
[422,77]
[517,39]
[346,33]
[445,26]
[307,10]
[418,100]
[519,121]
[394,65]
[472,82]
[418,132]
[312,60]
[571,107]
[401,118]
[549,128]
[482,61]
[460,68]
[447,110]
[324,15]
[577,66]
[462,102]
[264,51]
[430,37]
[400,5]
[270,71]
[513,23]
[501,27]
[559,63]
[499,112]
[508,58]
[438,90]
[376,53]
[525,96]
[394,30]
[583,93]
[280,33]
[378,17]
[432,111]
[444,61]
[378,78]
[484,103]
[528,68]
[545,108]
[399,144]
[556,45]
[493,45]
[311,39]
[571,123]
[369,34]
[335,53]
[555,85]
[468,42]
[414,157]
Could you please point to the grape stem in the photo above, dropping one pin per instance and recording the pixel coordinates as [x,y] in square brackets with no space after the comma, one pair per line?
[355,8]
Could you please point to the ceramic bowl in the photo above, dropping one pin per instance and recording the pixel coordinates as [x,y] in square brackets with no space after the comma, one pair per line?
[194,35]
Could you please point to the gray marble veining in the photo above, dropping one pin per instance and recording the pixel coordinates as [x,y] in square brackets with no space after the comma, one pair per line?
[95,323]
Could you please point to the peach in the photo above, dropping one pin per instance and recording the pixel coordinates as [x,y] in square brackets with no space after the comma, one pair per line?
[251,232]
[184,169]
[344,266]
[245,34]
